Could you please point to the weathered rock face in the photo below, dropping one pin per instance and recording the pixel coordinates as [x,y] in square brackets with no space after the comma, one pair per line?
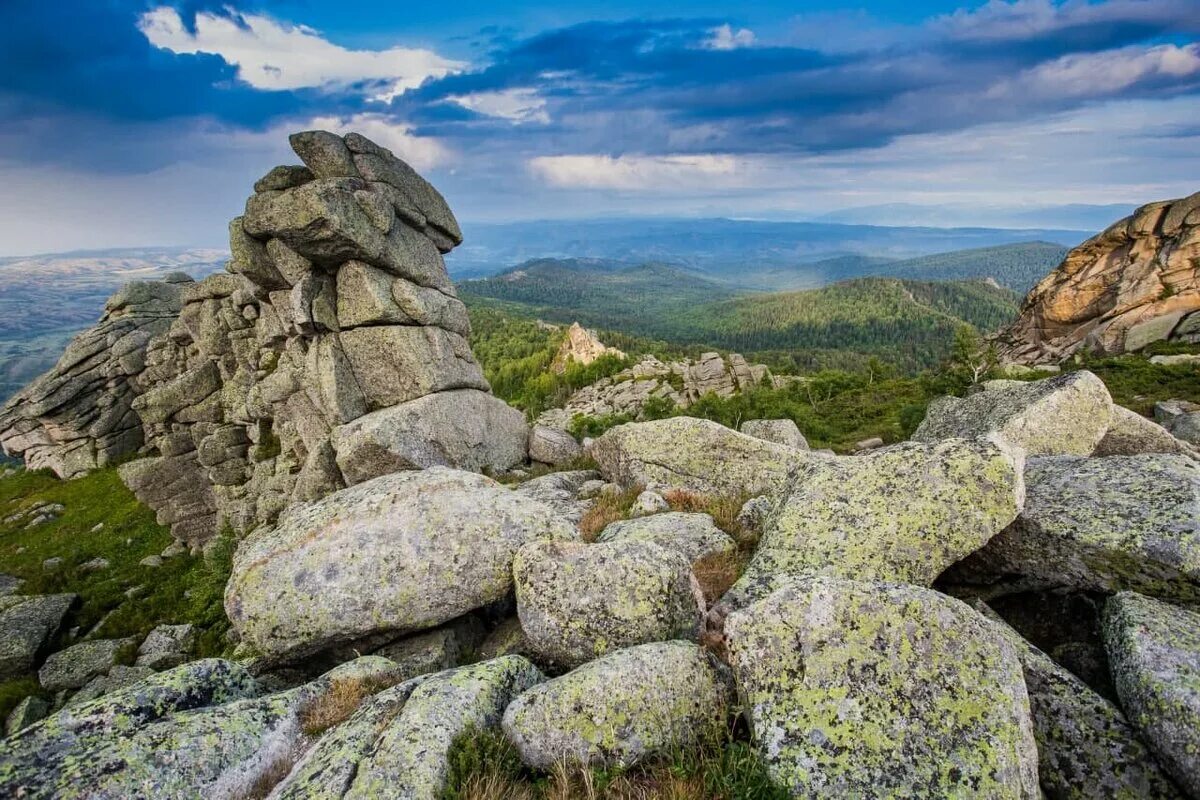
[903,514]
[403,552]
[623,708]
[1154,653]
[1134,284]
[334,350]
[79,415]
[1065,415]
[694,536]
[578,601]
[1106,524]
[581,346]
[694,454]
[1086,746]
[780,431]
[857,689]
[27,625]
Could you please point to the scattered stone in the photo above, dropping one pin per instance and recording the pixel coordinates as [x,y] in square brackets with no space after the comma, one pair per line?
[9,584]
[1065,415]
[694,454]
[30,710]
[578,601]
[1176,360]
[99,526]
[94,565]
[780,431]
[553,446]
[559,490]
[151,561]
[859,689]
[903,514]
[173,550]
[1086,746]
[874,443]
[79,663]
[26,627]
[1107,524]
[427,548]
[623,708]
[589,489]
[648,503]
[694,536]
[118,677]
[754,513]
[1154,654]
[167,646]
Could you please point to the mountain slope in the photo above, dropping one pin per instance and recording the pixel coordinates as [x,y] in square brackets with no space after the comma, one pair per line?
[1017,266]
[911,323]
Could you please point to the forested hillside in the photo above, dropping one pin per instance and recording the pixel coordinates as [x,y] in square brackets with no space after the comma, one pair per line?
[909,323]
[1017,266]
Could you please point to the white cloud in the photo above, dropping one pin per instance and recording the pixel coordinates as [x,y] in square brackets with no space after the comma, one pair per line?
[422,152]
[998,20]
[635,172]
[514,105]
[275,56]
[1103,73]
[726,38]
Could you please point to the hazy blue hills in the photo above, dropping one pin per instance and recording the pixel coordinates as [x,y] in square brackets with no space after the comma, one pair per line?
[756,253]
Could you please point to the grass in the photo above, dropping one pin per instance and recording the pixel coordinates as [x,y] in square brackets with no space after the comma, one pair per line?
[184,589]
[485,766]
[607,508]
[716,574]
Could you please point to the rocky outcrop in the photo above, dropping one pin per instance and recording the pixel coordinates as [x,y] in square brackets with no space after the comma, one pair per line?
[580,346]
[332,351]
[679,383]
[27,625]
[1132,285]
[398,554]
[856,689]
[79,415]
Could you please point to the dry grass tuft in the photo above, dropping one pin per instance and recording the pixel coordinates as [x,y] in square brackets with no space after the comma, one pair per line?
[719,572]
[606,509]
[336,705]
[724,510]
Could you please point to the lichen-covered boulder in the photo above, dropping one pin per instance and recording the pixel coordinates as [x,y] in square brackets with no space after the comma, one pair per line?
[623,708]
[780,431]
[1154,655]
[553,446]
[1122,522]
[167,646]
[409,759]
[578,601]
[694,454]
[694,536]
[459,428]
[28,711]
[1131,434]
[399,553]
[436,650]
[118,677]
[67,754]
[1064,415]
[1086,746]
[561,491]
[859,689]
[901,514]
[73,667]
[26,626]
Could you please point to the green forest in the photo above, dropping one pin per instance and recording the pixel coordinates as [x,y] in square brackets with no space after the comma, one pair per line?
[910,324]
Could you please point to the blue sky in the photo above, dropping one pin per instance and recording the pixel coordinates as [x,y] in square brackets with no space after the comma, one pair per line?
[125,123]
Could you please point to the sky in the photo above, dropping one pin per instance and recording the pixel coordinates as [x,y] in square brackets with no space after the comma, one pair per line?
[128,123]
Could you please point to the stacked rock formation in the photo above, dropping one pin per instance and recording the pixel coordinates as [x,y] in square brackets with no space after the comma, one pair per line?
[1132,285]
[79,415]
[680,383]
[334,350]
[581,346]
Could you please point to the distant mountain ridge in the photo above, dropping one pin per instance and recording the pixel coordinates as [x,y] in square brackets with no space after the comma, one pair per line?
[723,248]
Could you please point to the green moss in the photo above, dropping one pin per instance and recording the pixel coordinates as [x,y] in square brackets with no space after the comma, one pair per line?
[268,446]
[185,588]
[14,691]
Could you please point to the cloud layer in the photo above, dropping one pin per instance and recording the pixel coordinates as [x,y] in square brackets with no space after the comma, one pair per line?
[992,103]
